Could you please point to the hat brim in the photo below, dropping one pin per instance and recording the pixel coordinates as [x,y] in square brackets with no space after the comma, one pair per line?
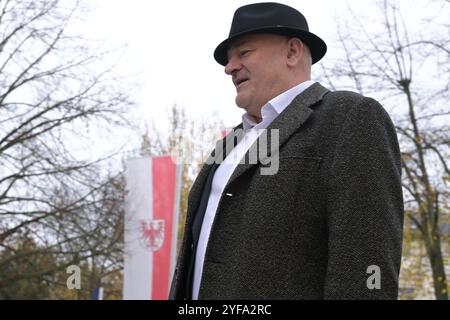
[315,44]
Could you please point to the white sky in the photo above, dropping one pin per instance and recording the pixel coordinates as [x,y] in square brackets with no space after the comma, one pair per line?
[170,44]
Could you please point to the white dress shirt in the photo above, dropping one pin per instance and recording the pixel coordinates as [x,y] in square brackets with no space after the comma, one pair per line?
[223,173]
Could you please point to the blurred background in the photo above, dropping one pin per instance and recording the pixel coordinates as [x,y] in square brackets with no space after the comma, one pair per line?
[86,85]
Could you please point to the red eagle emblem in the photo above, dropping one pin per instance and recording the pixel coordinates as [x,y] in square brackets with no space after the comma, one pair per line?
[152,234]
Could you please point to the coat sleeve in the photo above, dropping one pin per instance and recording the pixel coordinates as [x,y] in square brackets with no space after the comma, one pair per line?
[364,207]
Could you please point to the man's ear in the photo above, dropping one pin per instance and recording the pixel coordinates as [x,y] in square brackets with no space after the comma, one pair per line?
[294,51]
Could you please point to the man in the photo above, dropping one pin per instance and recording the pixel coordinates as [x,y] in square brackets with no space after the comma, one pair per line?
[327,223]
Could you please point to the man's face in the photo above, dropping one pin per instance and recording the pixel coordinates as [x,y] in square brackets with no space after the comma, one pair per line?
[257,64]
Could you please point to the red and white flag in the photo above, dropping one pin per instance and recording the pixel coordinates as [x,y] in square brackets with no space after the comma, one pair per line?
[151,227]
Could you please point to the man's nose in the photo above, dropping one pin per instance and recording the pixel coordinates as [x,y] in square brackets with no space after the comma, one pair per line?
[232,66]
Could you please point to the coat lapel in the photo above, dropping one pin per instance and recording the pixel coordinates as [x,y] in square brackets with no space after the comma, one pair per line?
[288,122]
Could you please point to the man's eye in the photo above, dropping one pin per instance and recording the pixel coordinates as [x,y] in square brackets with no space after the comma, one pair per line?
[245,53]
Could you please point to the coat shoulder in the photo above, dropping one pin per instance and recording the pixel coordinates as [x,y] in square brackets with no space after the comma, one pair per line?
[343,99]
[343,102]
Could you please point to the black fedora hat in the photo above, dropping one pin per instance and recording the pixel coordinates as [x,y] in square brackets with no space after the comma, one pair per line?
[270,17]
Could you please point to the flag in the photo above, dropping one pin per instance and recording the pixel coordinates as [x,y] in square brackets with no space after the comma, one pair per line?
[151,225]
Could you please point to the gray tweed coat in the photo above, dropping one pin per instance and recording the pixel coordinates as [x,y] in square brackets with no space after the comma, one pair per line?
[314,229]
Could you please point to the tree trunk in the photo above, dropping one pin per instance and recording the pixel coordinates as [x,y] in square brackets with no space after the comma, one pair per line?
[434,252]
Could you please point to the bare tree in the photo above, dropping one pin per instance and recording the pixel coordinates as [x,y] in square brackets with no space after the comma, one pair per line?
[408,68]
[56,93]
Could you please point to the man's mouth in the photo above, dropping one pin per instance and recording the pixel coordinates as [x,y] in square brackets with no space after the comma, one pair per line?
[240,81]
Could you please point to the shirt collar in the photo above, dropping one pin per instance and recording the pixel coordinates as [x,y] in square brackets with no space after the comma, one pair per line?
[275,106]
